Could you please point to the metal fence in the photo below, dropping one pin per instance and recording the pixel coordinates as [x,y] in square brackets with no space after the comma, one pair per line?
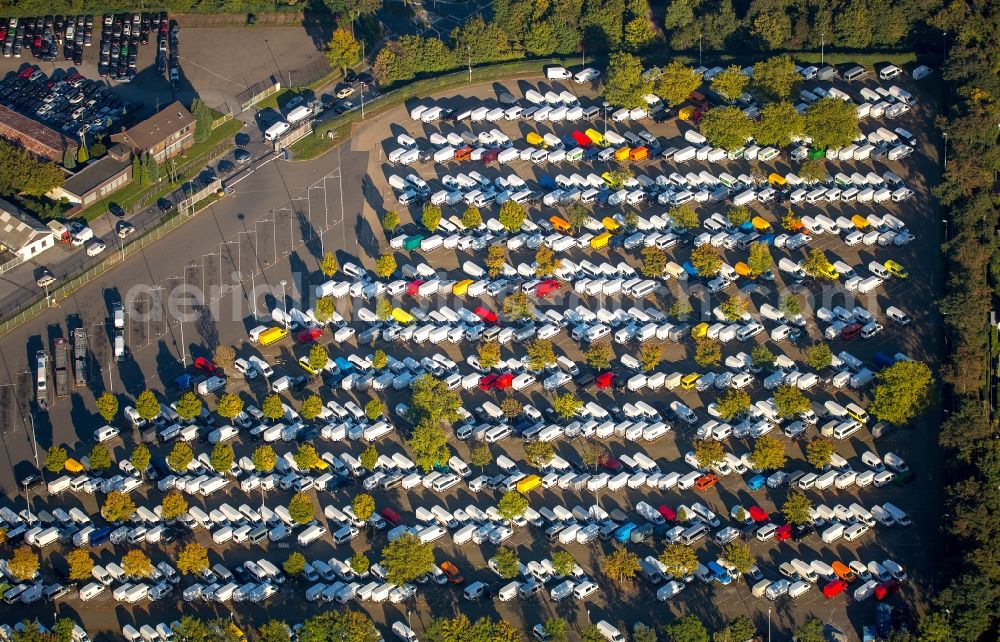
[257,92]
[11,264]
[316,70]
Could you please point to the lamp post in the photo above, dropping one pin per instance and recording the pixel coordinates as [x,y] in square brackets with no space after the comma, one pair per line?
[769,624]
[605,120]
[822,46]
[284,303]
[946,150]
[362,101]
[468,50]
[699,50]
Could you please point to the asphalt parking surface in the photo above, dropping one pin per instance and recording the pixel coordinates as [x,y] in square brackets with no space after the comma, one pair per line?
[250,232]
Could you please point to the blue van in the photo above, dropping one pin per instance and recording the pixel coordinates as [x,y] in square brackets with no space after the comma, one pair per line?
[100,536]
[883,360]
[757,482]
[690,269]
[343,364]
[624,532]
[547,182]
[719,574]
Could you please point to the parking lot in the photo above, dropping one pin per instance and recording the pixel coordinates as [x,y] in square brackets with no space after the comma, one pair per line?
[265,242]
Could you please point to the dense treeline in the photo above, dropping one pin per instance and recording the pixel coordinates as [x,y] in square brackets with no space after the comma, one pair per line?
[523,28]
[972,594]
[22,173]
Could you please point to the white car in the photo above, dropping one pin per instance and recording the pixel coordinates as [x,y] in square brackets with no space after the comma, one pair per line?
[96,247]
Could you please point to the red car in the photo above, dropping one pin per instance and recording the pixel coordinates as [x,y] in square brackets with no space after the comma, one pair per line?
[488,382]
[834,588]
[546,287]
[783,533]
[605,380]
[413,287]
[309,335]
[391,516]
[851,331]
[205,365]
[757,514]
[504,381]
[666,513]
[486,315]
[886,589]
[582,140]
[610,463]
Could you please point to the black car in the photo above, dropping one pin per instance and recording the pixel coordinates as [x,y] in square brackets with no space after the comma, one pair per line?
[350,77]
[30,481]
[242,156]
[164,205]
[116,210]
[802,532]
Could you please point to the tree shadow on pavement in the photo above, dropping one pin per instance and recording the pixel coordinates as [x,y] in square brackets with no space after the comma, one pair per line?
[366,236]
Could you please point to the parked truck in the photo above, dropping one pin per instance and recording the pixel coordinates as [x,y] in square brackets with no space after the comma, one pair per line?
[61,359]
[80,356]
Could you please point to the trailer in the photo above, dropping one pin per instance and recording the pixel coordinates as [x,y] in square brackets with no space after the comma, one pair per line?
[80,356]
[61,359]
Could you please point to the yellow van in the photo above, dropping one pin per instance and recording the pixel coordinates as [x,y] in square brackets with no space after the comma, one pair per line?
[699,330]
[686,113]
[597,137]
[610,224]
[534,139]
[402,316]
[460,288]
[559,224]
[688,381]
[760,224]
[622,153]
[529,483]
[600,241]
[829,272]
[896,269]
[272,335]
[860,222]
[776,180]
[73,466]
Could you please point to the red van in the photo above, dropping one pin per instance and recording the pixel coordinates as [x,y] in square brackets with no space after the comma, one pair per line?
[667,513]
[546,287]
[757,514]
[487,315]
[504,381]
[783,533]
[413,287]
[582,140]
[486,383]
[850,331]
[886,589]
[205,365]
[610,463]
[391,516]
[605,379]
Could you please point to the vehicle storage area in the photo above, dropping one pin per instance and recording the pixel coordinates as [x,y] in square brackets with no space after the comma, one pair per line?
[622,470]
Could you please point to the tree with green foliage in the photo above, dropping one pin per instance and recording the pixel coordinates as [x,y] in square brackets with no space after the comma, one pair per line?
[62,630]
[739,215]
[272,408]
[759,260]
[624,85]
[342,51]
[768,453]
[180,457]
[472,218]
[902,391]
[489,354]
[107,406]
[738,554]
[771,28]
[274,631]
[140,458]
[374,409]
[222,457]
[797,509]
[386,265]
[100,458]
[654,262]
[706,259]
[363,506]
[24,564]
[496,256]
[599,355]
[407,558]
[831,123]
[81,564]
[676,82]
[741,628]
[730,83]
[819,356]
[517,306]
[318,357]
[776,78]
[481,456]
[819,451]
[684,216]
[555,629]
[791,307]
[813,171]
[329,265]
[306,457]
[709,452]
[707,352]
[727,127]
[541,354]
[511,407]
[507,563]
[650,355]
[512,505]
[301,508]
[546,262]
[733,403]
[135,563]
[203,119]
[55,459]
[264,458]
[810,631]
[173,505]
[616,178]
[761,357]
[686,629]
[429,444]
[380,360]
[146,405]
[638,34]
[790,401]
[512,216]
[778,124]
[592,634]
[229,406]
[324,309]
[312,407]
[369,457]
[818,266]
[117,507]
[431,217]
[188,406]
[734,307]
[680,310]
[563,563]
[390,221]
[359,563]
[192,559]
[539,453]
[383,309]
[567,405]
[69,158]
[680,559]
[621,565]
[294,564]
[576,215]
